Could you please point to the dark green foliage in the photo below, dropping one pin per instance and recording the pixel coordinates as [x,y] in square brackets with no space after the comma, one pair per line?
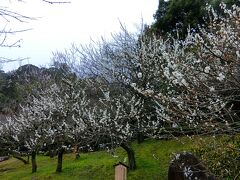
[9,95]
[16,86]
[179,15]
[3,97]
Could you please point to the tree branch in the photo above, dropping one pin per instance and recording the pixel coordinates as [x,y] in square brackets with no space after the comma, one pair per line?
[56,2]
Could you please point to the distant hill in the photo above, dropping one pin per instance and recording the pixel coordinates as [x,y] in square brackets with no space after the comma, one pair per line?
[16,85]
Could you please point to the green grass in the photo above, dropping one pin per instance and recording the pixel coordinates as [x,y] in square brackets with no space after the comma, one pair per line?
[152,156]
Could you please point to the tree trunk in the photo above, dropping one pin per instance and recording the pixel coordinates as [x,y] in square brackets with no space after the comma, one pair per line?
[51,151]
[131,156]
[34,163]
[28,158]
[140,137]
[77,156]
[76,151]
[60,160]
[21,159]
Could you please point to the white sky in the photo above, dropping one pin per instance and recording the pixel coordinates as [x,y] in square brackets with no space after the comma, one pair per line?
[62,25]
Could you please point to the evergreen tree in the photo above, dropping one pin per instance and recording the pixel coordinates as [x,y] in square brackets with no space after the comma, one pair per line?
[179,15]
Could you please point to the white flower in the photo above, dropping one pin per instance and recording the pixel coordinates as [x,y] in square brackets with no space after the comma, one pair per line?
[15,137]
[174,125]
[188,172]
[175,81]
[184,82]
[177,156]
[218,52]
[139,75]
[148,92]
[166,72]
[133,84]
[178,75]
[212,89]
[63,146]
[207,69]
[107,95]
[221,77]
[238,54]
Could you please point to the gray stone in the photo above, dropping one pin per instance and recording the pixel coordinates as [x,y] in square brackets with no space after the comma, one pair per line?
[186,166]
[4,158]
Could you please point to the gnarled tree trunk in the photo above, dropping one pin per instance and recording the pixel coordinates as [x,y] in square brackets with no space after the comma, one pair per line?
[77,153]
[140,137]
[34,163]
[21,159]
[60,160]
[131,156]
[77,157]
[52,150]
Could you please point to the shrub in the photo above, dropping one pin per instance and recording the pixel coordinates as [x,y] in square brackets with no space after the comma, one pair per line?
[221,155]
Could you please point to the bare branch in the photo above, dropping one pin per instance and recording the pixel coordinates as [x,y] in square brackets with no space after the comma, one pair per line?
[7,15]
[56,2]
[7,60]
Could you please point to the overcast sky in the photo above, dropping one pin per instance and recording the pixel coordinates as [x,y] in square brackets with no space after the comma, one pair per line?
[58,26]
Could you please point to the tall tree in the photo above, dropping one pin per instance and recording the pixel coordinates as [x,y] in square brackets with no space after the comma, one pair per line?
[179,15]
[201,76]
[110,121]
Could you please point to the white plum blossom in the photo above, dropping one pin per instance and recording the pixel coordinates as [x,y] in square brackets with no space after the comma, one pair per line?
[221,77]
[149,92]
[184,82]
[133,85]
[188,172]
[174,125]
[212,89]
[187,82]
[192,77]
[207,69]
[139,75]
[238,54]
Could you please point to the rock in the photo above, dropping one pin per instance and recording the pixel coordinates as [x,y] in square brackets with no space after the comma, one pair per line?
[4,158]
[186,166]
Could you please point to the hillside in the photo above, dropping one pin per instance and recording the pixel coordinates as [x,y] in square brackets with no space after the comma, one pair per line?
[153,157]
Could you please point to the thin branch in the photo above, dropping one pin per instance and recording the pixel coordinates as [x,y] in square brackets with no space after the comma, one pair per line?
[7,60]
[15,31]
[56,2]
[4,13]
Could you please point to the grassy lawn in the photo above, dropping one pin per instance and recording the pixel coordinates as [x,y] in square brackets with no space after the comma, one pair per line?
[152,156]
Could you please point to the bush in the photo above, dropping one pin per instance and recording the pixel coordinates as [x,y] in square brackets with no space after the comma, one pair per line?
[221,155]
